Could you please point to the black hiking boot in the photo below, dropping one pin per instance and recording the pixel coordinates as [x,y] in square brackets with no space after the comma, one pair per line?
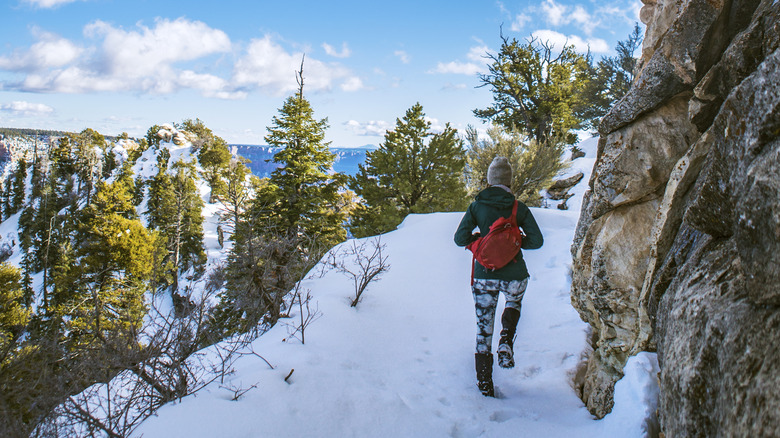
[506,355]
[484,365]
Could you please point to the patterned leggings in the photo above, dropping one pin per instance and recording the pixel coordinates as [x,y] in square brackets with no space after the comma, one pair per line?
[485,300]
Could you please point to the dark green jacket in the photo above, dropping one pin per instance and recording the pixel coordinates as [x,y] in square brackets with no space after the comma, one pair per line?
[490,204]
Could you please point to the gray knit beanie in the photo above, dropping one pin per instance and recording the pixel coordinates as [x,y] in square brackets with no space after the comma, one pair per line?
[499,172]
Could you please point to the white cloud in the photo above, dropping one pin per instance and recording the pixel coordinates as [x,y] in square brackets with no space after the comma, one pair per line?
[557,40]
[560,15]
[403,56]
[50,51]
[477,53]
[476,63]
[149,50]
[353,83]
[46,4]
[459,68]
[556,14]
[518,24]
[581,16]
[209,85]
[372,128]
[451,86]
[267,66]
[436,125]
[344,53]
[26,108]
[143,59]
[162,59]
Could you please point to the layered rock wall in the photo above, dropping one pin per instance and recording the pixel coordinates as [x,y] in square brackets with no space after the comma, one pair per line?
[678,245]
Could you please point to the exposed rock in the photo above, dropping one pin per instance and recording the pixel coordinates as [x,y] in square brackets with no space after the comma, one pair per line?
[165,133]
[678,245]
[563,205]
[637,159]
[559,189]
[605,290]
[683,55]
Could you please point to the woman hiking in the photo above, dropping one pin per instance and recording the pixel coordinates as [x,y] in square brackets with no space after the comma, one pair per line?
[492,203]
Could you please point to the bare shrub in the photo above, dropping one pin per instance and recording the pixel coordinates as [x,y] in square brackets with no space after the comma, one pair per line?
[166,364]
[361,261]
[306,313]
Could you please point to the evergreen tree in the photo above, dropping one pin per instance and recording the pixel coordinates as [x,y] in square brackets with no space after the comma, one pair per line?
[14,313]
[533,164]
[536,91]
[18,194]
[296,214]
[303,196]
[89,145]
[152,140]
[43,226]
[100,284]
[213,155]
[175,208]
[237,192]
[611,79]
[110,163]
[413,171]
[5,197]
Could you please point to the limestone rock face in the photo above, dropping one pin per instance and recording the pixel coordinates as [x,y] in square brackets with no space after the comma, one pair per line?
[678,245]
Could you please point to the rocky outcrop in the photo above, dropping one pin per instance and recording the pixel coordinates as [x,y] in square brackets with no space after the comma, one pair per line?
[559,189]
[678,245]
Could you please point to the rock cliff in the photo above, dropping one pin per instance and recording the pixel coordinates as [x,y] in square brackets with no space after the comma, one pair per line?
[678,244]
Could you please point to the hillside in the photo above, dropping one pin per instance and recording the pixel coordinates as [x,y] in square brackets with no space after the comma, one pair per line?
[398,364]
[401,363]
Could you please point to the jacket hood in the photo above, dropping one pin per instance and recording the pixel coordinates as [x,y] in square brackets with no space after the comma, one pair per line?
[496,197]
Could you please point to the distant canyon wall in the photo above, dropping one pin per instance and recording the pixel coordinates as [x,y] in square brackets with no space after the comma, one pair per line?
[678,244]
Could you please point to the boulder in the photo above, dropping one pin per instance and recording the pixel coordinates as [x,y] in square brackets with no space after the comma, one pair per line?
[559,189]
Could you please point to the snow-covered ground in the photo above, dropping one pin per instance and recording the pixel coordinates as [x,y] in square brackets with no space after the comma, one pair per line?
[401,364]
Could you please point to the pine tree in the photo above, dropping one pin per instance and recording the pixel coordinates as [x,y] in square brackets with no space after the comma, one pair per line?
[296,215]
[611,78]
[214,157]
[152,140]
[18,193]
[302,196]
[42,227]
[175,208]
[88,165]
[536,91]
[213,154]
[237,192]
[413,171]
[5,197]
[14,314]
[101,282]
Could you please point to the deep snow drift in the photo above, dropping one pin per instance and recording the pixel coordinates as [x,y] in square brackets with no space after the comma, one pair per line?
[401,364]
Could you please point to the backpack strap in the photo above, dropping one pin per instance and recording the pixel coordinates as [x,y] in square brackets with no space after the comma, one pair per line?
[513,218]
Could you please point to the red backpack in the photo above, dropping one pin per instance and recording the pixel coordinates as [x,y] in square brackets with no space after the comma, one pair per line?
[500,246]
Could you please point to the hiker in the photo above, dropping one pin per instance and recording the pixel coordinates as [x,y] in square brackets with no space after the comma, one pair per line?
[492,203]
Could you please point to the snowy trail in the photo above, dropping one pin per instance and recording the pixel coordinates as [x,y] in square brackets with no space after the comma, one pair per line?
[401,363]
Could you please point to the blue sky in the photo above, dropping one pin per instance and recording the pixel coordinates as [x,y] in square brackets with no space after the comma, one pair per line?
[124,65]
